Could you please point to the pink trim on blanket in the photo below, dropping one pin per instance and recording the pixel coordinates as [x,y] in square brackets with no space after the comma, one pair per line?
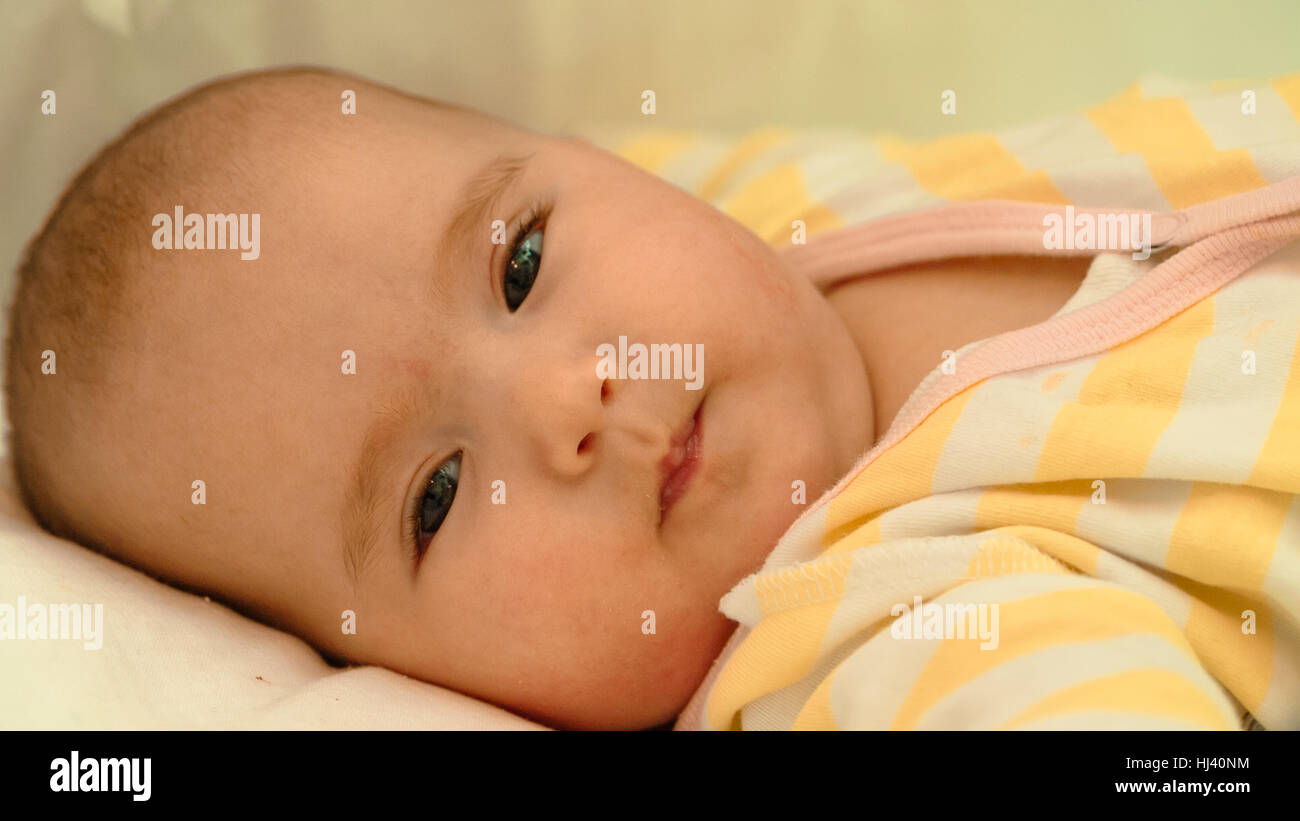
[1002,227]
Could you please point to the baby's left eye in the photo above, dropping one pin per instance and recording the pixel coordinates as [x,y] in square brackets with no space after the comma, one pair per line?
[440,489]
[521,269]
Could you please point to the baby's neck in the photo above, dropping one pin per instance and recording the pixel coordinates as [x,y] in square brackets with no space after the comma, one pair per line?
[903,319]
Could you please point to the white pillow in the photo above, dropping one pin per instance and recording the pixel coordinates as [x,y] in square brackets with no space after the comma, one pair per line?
[174,660]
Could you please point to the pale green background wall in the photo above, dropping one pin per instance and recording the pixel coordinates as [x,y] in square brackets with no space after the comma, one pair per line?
[573,65]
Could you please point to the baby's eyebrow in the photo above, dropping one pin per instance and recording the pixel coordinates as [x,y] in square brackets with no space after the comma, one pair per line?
[365,497]
[478,200]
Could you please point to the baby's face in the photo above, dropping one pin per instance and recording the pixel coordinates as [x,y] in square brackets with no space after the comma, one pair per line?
[523,572]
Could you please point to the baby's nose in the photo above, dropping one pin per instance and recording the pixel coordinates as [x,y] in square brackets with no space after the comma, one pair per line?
[559,409]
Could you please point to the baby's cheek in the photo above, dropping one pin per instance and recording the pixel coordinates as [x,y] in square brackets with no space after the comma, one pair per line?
[610,621]
[579,593]
[759,265]
[536,590]
[669,664]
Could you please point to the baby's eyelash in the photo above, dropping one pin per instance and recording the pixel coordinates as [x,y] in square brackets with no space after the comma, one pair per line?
[538,212]
[412,535]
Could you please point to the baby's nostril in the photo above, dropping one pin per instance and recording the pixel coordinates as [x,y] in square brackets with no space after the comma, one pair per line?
[604,390]
[586,443]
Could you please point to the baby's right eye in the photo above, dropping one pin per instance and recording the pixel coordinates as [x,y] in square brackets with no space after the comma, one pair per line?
[432,505]
[521,267]
[521,270]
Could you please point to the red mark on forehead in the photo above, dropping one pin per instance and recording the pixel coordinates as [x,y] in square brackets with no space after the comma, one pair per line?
[418,369]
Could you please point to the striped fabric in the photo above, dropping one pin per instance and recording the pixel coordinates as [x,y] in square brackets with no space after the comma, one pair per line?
[1098,541]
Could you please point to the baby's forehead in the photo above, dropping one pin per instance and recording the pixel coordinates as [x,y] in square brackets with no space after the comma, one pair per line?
[312,123]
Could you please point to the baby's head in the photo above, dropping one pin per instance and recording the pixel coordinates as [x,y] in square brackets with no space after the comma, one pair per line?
[395,408]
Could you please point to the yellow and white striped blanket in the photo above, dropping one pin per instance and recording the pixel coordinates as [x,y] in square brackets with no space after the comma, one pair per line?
[1108,541]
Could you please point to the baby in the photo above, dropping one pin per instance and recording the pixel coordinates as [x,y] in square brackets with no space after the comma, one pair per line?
[382,387]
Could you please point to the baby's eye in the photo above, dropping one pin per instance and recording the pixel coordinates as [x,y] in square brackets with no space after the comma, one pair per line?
[521,268]
[434,503]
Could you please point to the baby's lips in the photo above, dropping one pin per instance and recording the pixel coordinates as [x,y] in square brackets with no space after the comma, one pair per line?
[678,465]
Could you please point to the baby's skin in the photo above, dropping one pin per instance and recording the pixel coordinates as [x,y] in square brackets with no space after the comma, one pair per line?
[397,360]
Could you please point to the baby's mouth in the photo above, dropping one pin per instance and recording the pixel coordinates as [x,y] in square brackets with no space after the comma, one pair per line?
[678,467]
